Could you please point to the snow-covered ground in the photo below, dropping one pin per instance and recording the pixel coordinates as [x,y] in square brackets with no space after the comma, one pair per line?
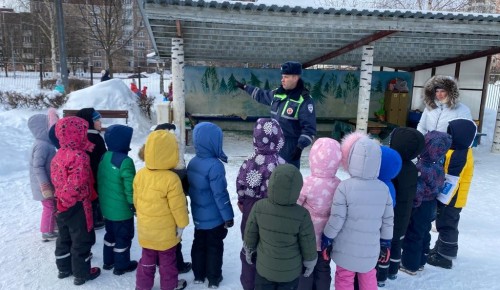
[28,263]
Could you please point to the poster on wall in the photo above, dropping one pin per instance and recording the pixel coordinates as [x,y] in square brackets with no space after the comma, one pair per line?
[212,91]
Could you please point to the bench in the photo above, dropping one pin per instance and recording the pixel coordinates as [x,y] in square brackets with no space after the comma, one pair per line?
[106,114]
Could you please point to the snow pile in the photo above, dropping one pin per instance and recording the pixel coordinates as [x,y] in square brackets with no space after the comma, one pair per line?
[110,95]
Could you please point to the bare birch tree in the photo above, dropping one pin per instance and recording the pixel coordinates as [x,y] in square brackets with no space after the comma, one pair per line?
[429,5]
[44,14]
[109,26]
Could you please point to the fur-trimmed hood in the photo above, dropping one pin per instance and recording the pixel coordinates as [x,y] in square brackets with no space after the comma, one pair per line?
[444,82]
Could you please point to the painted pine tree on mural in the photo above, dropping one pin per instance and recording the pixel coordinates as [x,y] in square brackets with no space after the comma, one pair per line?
[316,91]
[231,84]
[254,80]
[331,85]
[351,87]
[223,89]
[210,80]
[267,86]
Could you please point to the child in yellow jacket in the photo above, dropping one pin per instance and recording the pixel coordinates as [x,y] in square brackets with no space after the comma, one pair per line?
[161,212]
[459,168]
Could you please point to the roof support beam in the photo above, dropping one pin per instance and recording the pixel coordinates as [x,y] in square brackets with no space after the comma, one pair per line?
[351,46]
[178,28]
[461,58]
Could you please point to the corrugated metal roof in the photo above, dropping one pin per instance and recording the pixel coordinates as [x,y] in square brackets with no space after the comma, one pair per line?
[235,32]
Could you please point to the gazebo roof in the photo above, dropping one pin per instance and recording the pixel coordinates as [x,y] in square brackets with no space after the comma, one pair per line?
[235,32]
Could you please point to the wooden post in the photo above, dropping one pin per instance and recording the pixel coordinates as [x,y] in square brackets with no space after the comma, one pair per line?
[179,102]
[365,86]
[495,148]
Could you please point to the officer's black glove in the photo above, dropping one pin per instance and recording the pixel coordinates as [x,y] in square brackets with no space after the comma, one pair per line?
[240,85]
[296,153]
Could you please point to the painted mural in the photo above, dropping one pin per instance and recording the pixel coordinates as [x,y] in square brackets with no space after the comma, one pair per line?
[212,91]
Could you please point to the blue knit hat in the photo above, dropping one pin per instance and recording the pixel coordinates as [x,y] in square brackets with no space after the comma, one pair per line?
[291,68]
[96,116]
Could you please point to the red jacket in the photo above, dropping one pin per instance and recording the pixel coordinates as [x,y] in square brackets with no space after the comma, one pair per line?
[70,169]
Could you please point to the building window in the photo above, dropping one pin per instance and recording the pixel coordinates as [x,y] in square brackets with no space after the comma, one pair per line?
[97,53]
[97,64]
[141,34]
[26,39]
[140,44]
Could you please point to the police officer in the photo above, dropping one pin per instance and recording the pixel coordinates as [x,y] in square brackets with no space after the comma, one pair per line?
[293,107]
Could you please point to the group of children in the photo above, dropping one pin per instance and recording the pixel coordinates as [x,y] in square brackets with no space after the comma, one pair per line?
[291,227]
[371,225]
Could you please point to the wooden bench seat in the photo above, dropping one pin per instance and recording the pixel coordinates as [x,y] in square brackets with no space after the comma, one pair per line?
[107,114]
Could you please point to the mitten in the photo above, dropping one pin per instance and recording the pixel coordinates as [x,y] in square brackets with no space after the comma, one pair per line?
[132,208]
[228,224]
[48,193]
[248,254]
[179,232]
[325,242]
[239,85]
[296,153]
[309,267]
[385,251]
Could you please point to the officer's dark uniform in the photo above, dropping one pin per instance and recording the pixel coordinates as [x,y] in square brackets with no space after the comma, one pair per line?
[294,110]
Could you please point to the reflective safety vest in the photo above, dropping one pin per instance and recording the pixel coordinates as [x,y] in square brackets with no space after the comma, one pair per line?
[290,109]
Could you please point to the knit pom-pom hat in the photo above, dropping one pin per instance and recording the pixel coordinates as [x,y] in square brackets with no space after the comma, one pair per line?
[346,146]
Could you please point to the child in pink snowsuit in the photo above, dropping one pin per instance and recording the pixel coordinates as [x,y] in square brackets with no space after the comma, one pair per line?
[317,197]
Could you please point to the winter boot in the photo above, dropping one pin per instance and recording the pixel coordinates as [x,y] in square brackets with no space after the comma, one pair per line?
[214,284]
[181,284]
[94,273]
[407,271]
[439,261]
[49,236]
[62,275]
[131,267]
[186,267]
[108,266]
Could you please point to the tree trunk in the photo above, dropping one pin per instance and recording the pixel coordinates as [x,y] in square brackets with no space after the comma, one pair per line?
[365,86]
[495,148]
[53,54]
[110,63]
[178,88]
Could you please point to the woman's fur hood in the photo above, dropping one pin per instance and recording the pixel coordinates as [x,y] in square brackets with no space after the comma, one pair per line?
[444,82]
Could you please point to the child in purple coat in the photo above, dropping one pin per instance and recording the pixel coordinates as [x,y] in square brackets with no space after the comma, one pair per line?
[253,178]
[429,183]
[41,155]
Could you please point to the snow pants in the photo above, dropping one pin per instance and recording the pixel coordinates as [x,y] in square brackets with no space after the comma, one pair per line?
[74,242]
[416,245]
[146,269]
[262,283]
[117,242]
[320,278]
[344,279]
[447,220]
[207,252]
[48,220]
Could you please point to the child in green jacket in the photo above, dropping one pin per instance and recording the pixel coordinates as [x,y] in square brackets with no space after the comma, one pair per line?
[116,175]
[287,229]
